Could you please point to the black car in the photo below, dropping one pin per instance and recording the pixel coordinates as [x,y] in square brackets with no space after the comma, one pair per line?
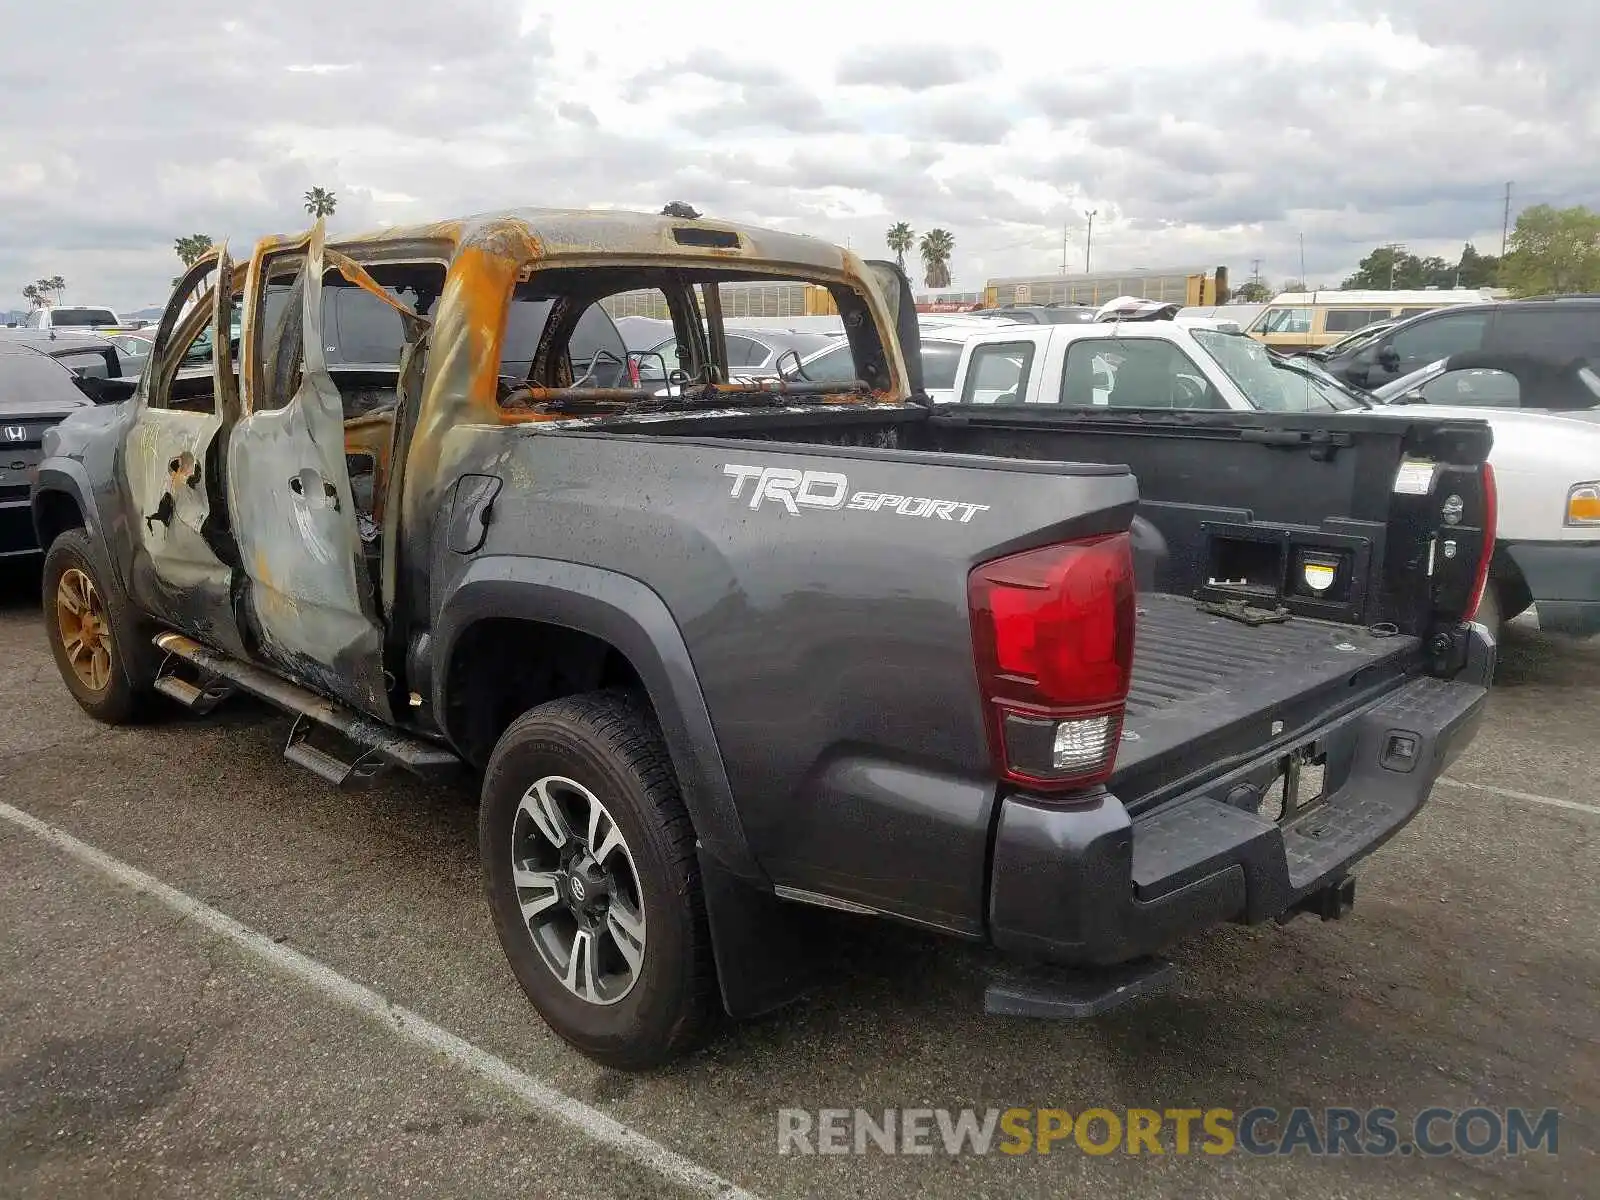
[1559,328]
[86,355]
[35,393]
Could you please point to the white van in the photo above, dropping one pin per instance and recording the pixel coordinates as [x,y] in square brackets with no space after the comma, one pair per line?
[1297,321]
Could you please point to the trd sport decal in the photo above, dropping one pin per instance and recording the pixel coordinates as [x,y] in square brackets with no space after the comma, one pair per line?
[794,490]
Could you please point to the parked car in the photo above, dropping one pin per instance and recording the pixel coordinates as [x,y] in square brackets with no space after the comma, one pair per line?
[751,352]
[1046,314]
[1546,420]
[1296,321]
[86,355]
[1076,688]
[133,350]
[35,393]
[73,316]
[1351,341]
[1195,364]
[1556,329]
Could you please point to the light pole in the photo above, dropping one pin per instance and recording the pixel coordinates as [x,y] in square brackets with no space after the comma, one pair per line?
[1088,238]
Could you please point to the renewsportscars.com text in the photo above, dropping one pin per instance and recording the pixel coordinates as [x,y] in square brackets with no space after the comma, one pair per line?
[1380,1132]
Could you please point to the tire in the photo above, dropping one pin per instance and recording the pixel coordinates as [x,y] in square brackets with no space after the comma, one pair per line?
[558,759]
[115,687]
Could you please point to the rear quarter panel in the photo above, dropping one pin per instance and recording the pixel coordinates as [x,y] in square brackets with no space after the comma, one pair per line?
[832,644]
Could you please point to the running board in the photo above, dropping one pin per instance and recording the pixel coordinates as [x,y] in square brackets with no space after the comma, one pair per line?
[1073,993]
[196,697]
[376,745]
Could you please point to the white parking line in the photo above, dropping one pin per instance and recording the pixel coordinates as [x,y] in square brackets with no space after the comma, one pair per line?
[1552,801]
[402,1022]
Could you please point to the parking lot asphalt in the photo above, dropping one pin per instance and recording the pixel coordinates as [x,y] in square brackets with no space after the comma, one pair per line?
[142,1053]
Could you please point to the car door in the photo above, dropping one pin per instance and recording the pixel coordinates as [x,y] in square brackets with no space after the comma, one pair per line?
[309,594]
[1412,346]
[186,406]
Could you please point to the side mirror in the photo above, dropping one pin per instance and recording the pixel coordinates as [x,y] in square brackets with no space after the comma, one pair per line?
[1389,359]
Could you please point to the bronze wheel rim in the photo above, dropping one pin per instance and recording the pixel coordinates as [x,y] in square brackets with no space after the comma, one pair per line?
[85,629]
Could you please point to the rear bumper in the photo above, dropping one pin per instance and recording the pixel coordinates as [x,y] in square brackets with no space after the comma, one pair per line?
[1097,886]
[1564,580]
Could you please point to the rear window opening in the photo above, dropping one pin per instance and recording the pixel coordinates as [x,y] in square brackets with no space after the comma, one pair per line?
[564,352]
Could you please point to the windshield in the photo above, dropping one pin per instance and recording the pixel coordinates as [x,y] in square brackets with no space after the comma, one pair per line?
[1351,341]
[1273,384]
[62,317]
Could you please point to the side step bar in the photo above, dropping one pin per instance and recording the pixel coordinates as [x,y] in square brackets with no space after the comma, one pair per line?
[377,745]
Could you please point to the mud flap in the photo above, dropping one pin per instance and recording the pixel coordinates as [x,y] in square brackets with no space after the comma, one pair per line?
[764,947]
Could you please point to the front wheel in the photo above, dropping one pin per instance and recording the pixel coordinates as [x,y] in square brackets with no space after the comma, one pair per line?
[87,623]
[590,868]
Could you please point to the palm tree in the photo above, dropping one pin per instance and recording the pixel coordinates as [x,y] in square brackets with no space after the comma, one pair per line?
[320,202]
[190,247]
[900,239]
[58,285]
[936,246]
[30,293]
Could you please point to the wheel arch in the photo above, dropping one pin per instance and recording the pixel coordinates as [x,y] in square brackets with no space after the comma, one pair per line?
[597,627]
[62,500]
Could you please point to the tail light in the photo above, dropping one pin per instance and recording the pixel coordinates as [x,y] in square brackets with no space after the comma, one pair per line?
[1052,632]
[1490,521]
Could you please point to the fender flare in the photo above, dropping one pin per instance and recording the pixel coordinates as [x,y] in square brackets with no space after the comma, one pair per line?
[68,476]
[627,615]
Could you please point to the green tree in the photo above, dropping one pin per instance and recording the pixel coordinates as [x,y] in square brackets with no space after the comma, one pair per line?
[320,203]
[681,210]
[900,239]
[1253,291]
[32,295]
[1553,250]
[1294,285]
[191,247]
[936,246]
[58,285]
[1474,270]
[1385,268]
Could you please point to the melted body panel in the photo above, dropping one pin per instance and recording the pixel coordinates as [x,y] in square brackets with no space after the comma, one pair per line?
[309,598]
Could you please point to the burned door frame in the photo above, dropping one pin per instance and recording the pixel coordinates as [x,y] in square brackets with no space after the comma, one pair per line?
[182,568]
[310,597]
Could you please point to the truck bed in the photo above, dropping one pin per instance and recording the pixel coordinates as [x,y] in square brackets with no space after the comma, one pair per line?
[1208,689]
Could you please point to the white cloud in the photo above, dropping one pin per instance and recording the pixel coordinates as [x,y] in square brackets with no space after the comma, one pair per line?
[1202,133]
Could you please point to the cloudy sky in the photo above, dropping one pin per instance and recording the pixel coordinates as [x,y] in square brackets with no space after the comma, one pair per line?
[1203,132]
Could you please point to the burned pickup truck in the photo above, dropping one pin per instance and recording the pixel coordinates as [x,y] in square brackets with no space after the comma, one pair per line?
[729,651]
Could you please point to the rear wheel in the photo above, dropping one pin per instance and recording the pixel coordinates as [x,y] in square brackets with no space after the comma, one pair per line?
[87,620]
[590,868]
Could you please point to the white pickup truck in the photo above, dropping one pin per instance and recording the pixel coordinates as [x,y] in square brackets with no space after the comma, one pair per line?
[1547,465]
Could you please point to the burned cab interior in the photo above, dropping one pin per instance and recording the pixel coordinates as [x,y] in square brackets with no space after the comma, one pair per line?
[573,369]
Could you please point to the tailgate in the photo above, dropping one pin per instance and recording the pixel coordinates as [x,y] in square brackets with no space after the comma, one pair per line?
[1209,692]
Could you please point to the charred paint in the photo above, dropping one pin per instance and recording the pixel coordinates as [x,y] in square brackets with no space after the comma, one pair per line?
[309,596]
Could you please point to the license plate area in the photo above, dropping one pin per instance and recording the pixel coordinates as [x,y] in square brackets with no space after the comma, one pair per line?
[1300,785]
